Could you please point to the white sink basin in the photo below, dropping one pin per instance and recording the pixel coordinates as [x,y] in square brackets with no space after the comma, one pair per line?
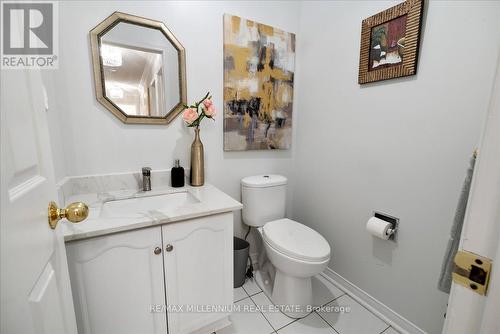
[144,205]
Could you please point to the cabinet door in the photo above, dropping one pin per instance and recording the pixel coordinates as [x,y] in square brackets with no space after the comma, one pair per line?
[116,282]
[198,272]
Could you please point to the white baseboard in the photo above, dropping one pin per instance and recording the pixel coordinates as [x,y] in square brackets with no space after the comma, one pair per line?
[399,323]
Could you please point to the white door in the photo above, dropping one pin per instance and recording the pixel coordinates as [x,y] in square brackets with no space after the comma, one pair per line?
[198,272]
[35,288]
[118,283]
[469,312]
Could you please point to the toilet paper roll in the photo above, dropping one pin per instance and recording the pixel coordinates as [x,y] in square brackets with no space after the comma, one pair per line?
[378,228]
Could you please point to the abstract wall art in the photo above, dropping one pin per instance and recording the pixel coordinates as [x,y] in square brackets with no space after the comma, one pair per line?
[259,63]
[390,42]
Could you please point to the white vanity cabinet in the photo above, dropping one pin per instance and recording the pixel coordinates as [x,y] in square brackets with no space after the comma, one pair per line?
[161,279]
[198,272]
[114,279]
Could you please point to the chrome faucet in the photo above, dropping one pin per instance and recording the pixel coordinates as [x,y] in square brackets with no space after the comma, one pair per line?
[146,178]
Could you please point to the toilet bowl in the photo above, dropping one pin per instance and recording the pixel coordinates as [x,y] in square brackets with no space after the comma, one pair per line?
[298,253]
[295,253]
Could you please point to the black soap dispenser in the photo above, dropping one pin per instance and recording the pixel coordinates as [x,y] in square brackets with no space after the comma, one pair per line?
[177,175]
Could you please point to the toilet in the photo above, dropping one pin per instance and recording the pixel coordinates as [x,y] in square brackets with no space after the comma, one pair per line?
[294,253]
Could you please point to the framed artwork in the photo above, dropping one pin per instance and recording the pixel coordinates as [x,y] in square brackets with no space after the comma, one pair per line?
[259,62]
[390,42]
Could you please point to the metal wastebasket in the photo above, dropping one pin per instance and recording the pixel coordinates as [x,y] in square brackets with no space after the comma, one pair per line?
[241,249]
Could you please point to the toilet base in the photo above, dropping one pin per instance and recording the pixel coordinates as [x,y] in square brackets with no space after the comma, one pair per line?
[289,288]
[287,303]
[292,294]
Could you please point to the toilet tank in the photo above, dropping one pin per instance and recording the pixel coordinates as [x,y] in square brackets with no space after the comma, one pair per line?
[263,198]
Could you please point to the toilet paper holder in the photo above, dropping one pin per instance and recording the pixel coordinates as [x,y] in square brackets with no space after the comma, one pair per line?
[394,221]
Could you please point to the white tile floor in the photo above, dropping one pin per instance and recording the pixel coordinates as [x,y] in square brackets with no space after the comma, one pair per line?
[355,320]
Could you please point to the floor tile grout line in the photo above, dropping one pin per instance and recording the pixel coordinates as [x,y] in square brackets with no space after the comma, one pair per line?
[376,316]
[280,328]
[382,332]
[239,300]
[319,315]
[253,294]
[293,321]
[334,299]
[245,291]
[256,293]
[274,330]
[354,300]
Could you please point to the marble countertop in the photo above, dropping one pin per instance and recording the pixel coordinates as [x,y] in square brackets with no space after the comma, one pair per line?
[209,201]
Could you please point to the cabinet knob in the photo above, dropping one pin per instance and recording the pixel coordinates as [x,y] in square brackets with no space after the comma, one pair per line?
[169,248]
[157,250]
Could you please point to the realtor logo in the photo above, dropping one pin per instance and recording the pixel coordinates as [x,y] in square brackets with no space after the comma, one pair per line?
[29,35]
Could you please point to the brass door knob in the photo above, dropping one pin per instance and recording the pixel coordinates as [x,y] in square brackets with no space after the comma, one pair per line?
[157,250]
[75,213]
[169,248]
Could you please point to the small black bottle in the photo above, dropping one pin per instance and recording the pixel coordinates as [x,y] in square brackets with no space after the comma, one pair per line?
[177,175]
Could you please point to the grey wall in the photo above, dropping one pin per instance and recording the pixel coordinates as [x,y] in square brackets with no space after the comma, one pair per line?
[401,146]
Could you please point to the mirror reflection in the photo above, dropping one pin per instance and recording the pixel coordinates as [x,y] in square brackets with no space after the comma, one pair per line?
[140,70]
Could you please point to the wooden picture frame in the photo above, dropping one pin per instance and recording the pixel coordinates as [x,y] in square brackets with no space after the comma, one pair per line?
[390,42]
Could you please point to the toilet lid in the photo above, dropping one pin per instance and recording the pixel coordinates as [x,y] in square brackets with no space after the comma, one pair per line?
[296,240]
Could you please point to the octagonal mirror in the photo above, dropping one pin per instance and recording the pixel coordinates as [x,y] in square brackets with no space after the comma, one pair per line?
[139,69]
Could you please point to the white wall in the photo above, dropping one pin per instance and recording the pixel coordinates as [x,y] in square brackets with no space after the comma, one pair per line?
[400,146]
[88,139]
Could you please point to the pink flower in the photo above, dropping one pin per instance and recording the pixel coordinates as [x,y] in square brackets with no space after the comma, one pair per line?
[207,103]
[190,115]
[210,111]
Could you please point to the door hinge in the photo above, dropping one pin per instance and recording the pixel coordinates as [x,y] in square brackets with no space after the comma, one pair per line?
[472,271]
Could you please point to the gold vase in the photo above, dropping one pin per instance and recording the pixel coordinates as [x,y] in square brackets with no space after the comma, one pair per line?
[197,161]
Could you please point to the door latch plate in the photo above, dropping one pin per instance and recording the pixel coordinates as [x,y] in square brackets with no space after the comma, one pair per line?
[472,271]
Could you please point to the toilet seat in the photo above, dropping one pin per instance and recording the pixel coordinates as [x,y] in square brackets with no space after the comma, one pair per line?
[296,240]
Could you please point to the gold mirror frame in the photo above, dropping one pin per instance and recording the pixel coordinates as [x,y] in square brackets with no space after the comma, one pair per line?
[95,42]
